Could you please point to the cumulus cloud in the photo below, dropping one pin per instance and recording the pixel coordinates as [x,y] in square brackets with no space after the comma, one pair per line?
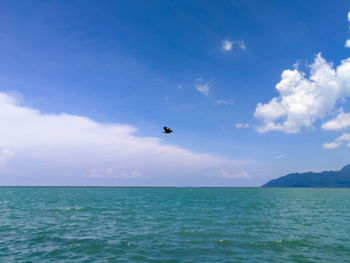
[228,45]
[242,125]
[202,87]
[303,100]
[240,175]
[337,142]
[36,144]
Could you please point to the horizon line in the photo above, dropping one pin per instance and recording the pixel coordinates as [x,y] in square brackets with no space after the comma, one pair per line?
[129,186]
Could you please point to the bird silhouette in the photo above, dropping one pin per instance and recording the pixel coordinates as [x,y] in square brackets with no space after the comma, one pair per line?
[167,130]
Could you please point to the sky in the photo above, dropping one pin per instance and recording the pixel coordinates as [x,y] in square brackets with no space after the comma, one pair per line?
[253,90]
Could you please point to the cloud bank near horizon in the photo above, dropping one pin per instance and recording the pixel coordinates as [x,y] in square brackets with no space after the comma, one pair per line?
[33,143]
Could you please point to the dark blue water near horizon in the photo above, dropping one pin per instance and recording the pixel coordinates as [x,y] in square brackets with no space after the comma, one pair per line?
[39,224]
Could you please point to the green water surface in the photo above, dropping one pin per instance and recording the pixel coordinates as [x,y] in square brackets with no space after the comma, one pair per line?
[174,225]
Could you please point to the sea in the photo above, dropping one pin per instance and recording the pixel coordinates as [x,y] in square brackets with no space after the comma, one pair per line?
[58,224]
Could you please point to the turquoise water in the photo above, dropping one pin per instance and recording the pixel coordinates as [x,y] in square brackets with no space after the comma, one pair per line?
[174,225]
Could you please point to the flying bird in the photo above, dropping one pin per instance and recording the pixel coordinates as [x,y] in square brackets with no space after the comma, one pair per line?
[167,130]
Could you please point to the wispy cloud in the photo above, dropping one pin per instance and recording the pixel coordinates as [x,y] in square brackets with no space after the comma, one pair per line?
[228,45]
[280,156]
[239,175]
[224,102]
[347,42]
[110,174]
[242,125]
[202,87]
[241,45]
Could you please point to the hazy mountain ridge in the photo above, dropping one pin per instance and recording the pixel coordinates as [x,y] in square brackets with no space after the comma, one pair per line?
[339,178]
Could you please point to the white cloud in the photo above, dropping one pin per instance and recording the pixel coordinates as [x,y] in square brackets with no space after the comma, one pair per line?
[202,87]
[38,145]
[240,175]
[224,102]
[228,45]
[179,86]
[303,100]
[241,45]
[242,125]
[331,145]
[296,65]
[338,142]
[344,137]
[347,43]
[340,122]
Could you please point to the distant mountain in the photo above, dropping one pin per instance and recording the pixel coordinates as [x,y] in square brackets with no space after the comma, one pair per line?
[324,179]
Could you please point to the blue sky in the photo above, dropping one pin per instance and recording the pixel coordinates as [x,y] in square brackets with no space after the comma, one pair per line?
[86,87]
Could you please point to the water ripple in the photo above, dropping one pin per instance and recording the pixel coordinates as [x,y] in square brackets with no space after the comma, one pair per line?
[174,225]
